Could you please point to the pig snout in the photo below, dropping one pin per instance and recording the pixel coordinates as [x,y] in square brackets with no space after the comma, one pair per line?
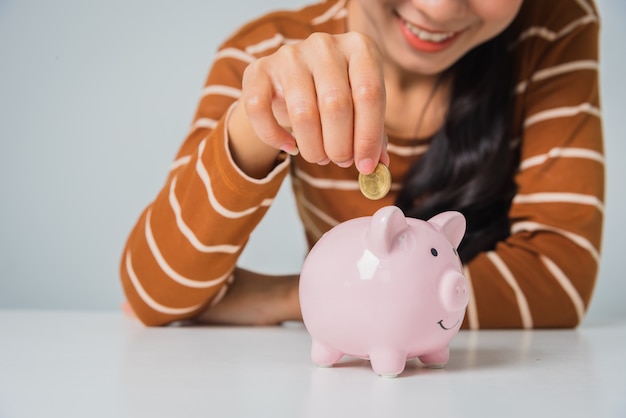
[454,291]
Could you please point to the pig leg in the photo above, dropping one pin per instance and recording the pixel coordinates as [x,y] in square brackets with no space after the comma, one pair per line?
[387,362]
[324,355]
[436,360]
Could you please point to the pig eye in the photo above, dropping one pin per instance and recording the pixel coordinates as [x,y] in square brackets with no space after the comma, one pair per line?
[434,252]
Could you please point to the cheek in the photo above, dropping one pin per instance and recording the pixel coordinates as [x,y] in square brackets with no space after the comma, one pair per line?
[500,12]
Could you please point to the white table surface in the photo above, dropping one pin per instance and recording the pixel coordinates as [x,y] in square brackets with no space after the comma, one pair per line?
[86,364]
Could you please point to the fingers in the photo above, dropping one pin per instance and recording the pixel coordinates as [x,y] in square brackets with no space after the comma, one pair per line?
[128,310]
[300,97]
[328,91]
[351,100]
[368,96]
[334,100]
[258,97]
[318,99]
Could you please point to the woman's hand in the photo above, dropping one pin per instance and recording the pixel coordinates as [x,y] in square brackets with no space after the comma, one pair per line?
[256,299]
[252,299]
[323,97]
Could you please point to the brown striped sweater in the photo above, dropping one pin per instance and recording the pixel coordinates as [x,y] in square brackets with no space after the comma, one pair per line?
[182,252]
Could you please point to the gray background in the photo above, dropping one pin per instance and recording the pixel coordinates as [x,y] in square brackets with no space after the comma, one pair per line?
[96,97]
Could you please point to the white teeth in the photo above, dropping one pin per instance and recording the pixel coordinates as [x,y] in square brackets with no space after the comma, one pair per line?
[429,36]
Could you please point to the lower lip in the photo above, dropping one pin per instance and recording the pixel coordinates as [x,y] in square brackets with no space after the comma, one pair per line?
[422,45]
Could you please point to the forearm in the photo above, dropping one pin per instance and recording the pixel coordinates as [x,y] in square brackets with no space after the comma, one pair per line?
[543,275]
[185,246]
[537,279]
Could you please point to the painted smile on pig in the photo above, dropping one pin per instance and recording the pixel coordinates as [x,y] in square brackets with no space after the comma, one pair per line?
[448,328]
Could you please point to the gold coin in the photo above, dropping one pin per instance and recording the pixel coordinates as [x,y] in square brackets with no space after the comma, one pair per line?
[376,185]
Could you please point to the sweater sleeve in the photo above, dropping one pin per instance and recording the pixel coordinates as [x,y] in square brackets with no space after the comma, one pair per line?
[543,275]
[182,251]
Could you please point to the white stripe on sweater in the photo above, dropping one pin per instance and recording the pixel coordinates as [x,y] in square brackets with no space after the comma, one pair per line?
[218,89]
[407,151]
[559,152]
[188,233]
[204,123]
[567,286]
[148,300]
[550,35]
[168,270]
[522,303]
[556,71]
[586,7]
[179,162]
[265,44]
[269,44]
[318,183]
[217,206]
[548,197]
[330,13]
[326,183]
[318,212]
[575,238]
[562,112]
[248,56]
[235,54]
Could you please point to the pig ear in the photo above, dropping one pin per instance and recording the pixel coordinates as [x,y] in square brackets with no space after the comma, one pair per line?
[451,224]
[386,224]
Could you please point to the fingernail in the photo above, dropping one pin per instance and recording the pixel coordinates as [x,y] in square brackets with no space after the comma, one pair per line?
[345,164]
[290,149]
[366,165]
[325,161]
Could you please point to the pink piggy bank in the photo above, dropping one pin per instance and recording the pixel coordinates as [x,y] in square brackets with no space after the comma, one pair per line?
[385,288]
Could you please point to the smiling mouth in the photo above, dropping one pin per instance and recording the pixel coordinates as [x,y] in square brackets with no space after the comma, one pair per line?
[427,36]
[448,328]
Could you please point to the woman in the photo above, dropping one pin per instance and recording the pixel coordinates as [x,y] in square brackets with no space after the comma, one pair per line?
[489,108]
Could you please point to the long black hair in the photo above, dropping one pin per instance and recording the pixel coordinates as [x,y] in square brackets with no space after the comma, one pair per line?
[471,160]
